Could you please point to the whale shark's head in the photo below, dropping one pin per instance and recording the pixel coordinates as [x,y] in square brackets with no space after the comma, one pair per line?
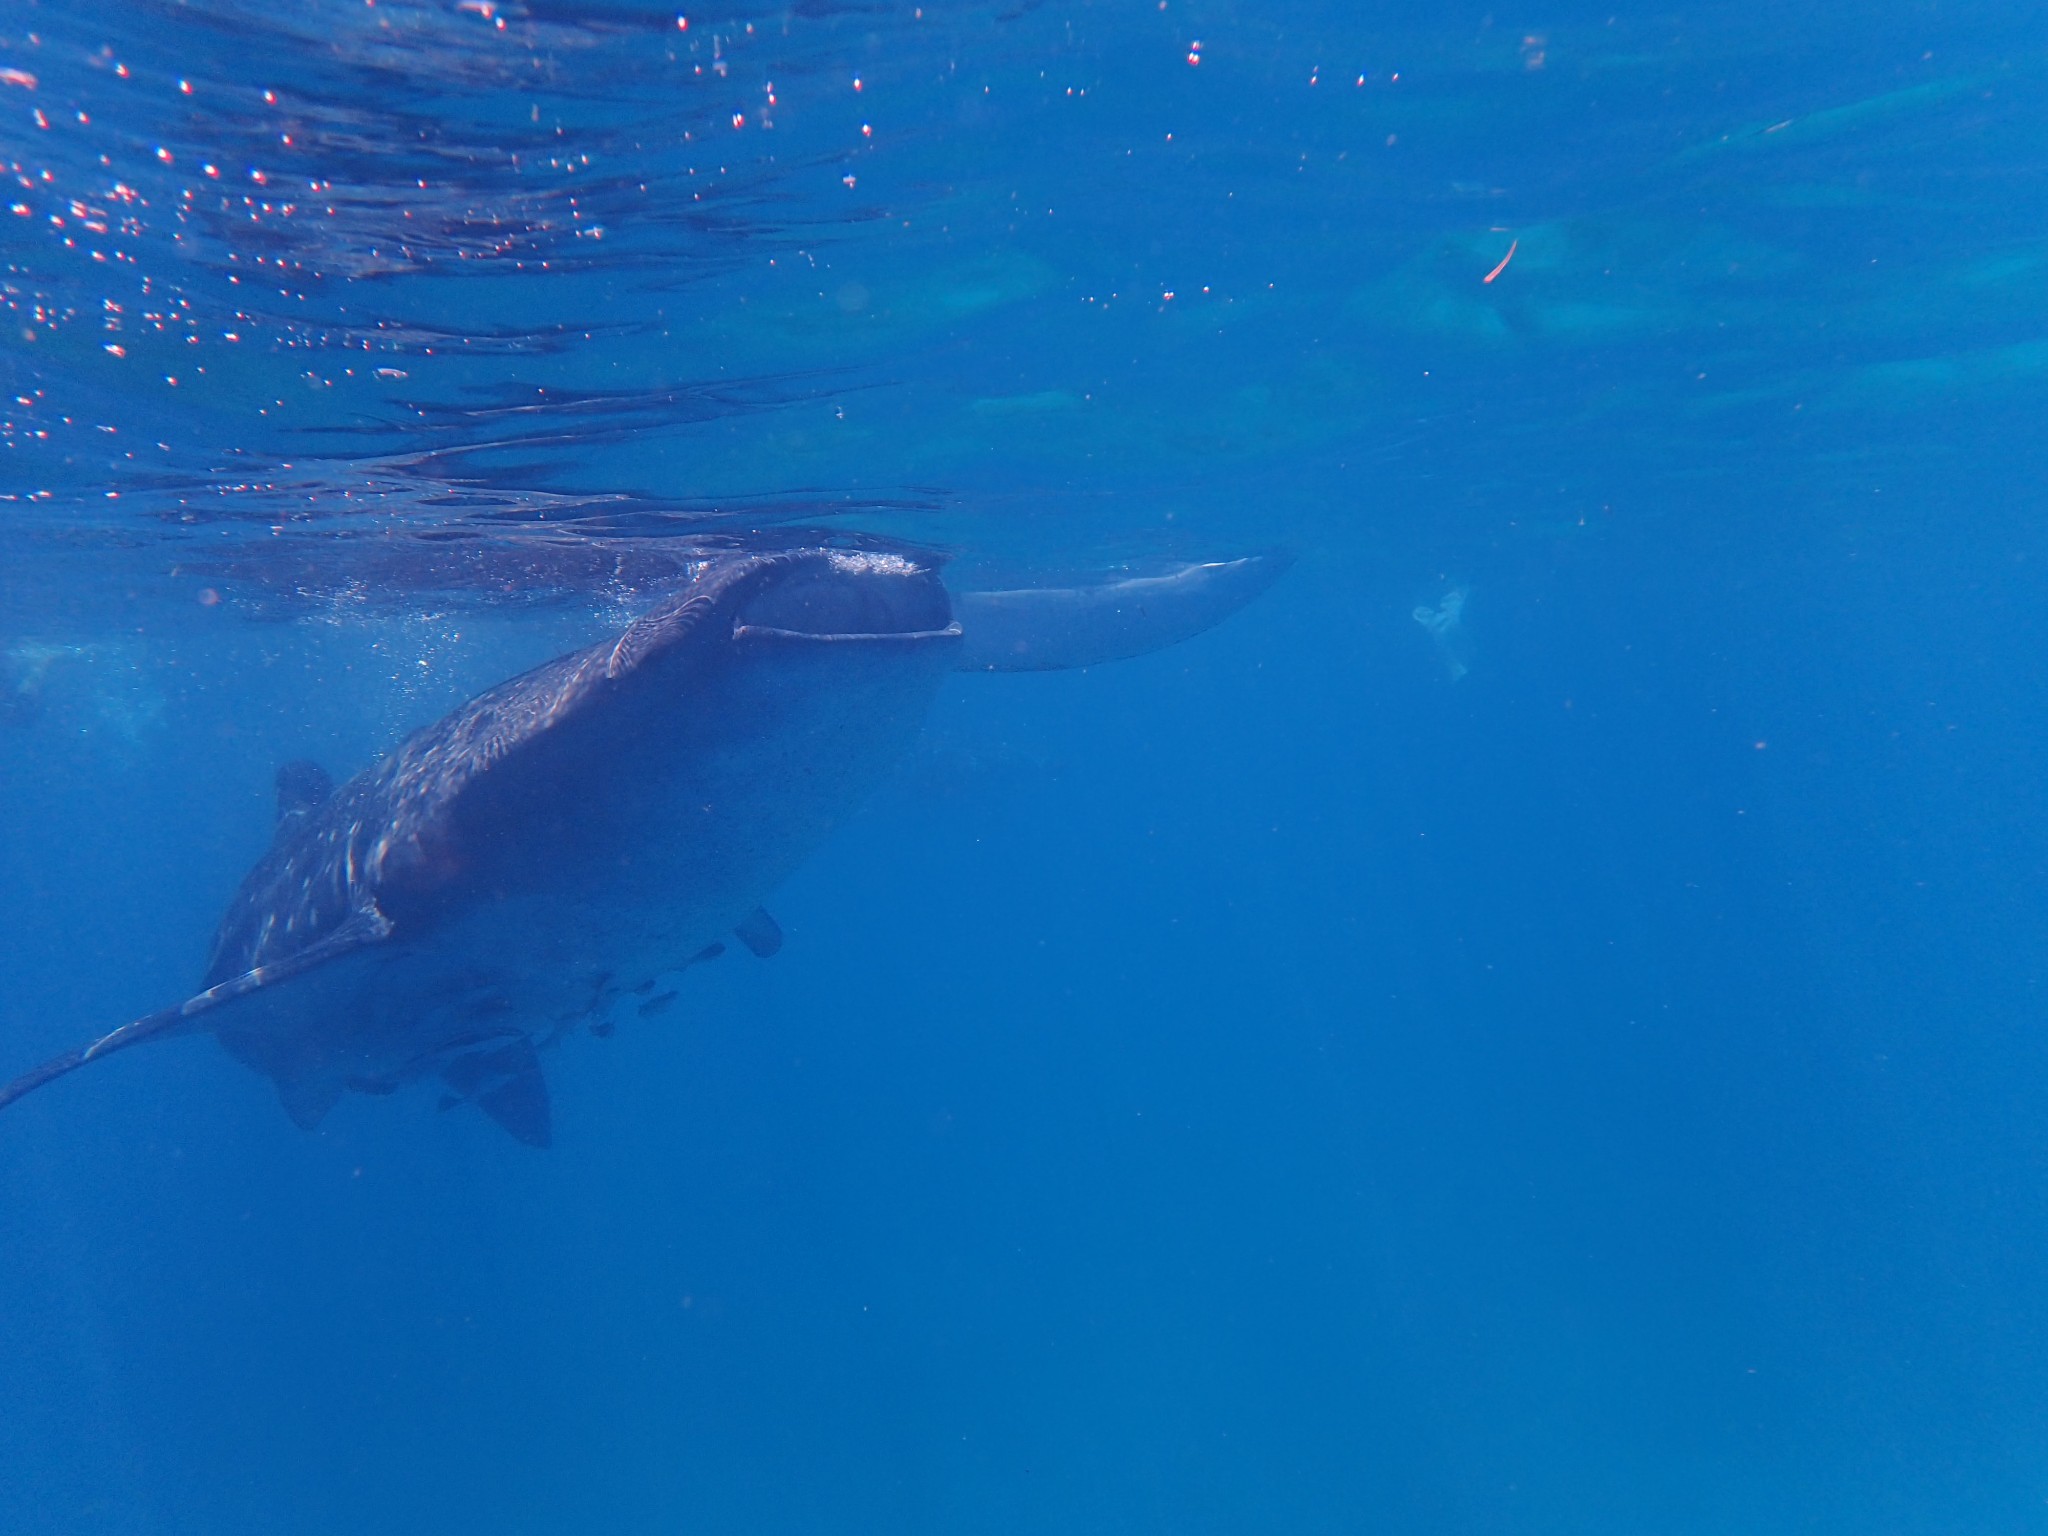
[804,599]
[846,595]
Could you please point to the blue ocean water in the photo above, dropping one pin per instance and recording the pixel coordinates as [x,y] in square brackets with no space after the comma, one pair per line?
[1532,1026]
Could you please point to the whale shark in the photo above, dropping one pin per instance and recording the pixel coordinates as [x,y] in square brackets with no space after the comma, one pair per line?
[533,862]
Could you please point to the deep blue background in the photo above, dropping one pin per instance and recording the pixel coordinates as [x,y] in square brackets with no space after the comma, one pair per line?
[1265,1086]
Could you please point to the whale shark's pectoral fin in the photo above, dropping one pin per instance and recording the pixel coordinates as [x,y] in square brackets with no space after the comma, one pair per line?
[760,933]
[520,1104]
[307,1100]
[505,1082]
[366,926]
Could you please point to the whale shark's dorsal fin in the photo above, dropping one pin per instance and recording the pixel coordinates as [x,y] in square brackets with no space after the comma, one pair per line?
[303,786]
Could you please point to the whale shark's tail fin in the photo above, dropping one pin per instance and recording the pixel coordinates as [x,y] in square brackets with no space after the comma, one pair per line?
[367,926]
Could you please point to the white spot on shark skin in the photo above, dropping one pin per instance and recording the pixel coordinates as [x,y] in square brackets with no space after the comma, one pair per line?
[1445,624]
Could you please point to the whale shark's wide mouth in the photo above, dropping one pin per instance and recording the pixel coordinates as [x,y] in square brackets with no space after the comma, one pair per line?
[849,597]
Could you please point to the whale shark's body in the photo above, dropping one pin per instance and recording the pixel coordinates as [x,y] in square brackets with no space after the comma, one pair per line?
[515,869]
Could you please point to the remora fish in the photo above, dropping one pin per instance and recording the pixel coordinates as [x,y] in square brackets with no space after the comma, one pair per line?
[554,844]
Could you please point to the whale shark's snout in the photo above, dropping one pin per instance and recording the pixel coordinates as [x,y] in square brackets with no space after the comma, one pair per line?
[849,596]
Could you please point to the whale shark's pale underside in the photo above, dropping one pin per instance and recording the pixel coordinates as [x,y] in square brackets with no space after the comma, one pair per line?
[533,861]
